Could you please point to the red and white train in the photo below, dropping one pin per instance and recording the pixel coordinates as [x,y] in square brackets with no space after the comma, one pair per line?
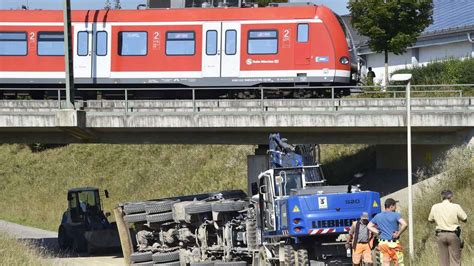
[202,47]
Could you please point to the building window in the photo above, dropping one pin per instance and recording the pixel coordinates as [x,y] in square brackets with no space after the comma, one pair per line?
[180,43]
[211,42]
[82,43]
[230,42]
[262,42]
[133,43]
[303,32]
[51,43]
[13,43]
[101,48]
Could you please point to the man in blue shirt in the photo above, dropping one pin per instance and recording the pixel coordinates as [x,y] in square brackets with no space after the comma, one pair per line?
[389,225]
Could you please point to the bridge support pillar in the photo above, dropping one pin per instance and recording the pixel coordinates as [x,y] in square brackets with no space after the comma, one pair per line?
[394,156]
[255,165]
[73,122]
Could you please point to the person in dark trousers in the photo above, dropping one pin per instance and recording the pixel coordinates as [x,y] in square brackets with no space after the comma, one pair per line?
[370,77]
[388,226]
[447,215]
[361,240]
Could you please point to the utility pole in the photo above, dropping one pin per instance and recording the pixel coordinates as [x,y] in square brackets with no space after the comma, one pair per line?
[68,56]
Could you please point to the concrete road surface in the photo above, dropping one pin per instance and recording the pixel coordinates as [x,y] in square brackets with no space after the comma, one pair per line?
[47,241]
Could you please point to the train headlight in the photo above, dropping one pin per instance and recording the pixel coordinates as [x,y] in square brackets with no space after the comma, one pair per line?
[344,60]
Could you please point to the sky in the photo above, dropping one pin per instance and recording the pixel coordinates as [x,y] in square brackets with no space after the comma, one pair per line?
[339,6]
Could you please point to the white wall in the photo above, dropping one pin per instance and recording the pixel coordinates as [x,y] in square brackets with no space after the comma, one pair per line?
[426,55]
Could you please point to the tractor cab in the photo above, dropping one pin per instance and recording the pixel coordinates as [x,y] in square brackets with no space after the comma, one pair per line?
[84,202]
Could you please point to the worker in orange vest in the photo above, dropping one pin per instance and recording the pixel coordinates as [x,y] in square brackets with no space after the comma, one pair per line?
[361,240]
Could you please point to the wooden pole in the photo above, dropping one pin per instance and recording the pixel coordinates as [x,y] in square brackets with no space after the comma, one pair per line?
[124,234]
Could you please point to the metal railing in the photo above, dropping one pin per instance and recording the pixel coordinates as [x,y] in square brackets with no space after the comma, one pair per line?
[262,95]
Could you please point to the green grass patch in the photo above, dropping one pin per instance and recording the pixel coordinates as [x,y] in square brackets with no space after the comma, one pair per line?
[13,252]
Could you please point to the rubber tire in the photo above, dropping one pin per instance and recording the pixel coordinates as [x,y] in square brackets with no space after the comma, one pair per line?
[202,263]
[166,257]
[303,259]
[134,207]
[64,242]
[198,208]
[141,256]
[289,255]
[145,263]
[228,206]
[230,263]
[135,218]
[159,217]
[159,206]
[176,263]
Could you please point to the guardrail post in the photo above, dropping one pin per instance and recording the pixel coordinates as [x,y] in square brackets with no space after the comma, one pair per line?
[333,99]
[126,101]
[194,100]
[262,105]
[394,94]
[59,98]
[460,93]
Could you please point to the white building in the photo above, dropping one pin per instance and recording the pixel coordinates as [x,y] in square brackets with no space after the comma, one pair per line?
[450,36]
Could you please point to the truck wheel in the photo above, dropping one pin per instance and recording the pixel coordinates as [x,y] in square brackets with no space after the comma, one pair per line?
[64,242]
[159,217]
[159,206]
[134,207]
[141,256]
[198,208]
[203,263]
[303,259]
[135,218]
[176,263]
[228,206]
[231,263]
[166,257]
[146,263]
[289,255]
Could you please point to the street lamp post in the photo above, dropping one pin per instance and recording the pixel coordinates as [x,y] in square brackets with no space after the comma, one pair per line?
[407,78]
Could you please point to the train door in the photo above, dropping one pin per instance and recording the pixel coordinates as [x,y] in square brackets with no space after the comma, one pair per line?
[211,49]
[91,55]
[230,49]
[302,45]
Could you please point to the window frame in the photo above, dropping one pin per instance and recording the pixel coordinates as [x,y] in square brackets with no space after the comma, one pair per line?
[207,41]
[131,31]
[265,38]
[106,43]
[182,31]
[26,40]
[235,45]
[77,49]
[38,42]
[298,33]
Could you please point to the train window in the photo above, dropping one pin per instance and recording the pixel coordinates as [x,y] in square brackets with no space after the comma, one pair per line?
[180,43]
[101,38]
[51,43]
[230,42]
[262,42]
[303,32]
[13,43]
[133,43]
[82,43]
[211,42]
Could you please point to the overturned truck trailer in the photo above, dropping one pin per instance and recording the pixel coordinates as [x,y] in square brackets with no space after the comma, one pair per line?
[292,218]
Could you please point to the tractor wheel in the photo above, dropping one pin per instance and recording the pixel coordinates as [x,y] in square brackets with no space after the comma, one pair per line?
[302,257]
[230,263]
[64,241]
[141,257]
[228,206]
[159,217]
[166,257]
[159,206]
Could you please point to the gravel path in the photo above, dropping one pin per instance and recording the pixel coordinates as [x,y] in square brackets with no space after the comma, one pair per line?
[47,241]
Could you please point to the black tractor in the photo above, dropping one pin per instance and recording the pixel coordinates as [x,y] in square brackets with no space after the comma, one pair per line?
[84,226]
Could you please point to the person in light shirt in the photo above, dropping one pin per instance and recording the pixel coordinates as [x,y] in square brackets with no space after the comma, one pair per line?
[447,216]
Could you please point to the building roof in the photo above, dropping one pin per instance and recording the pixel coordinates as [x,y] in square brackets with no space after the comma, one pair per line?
[449,16]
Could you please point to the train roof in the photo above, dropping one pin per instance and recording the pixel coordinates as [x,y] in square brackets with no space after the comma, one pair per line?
[195,14]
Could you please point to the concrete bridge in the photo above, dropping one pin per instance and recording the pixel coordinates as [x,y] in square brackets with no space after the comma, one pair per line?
[437,121]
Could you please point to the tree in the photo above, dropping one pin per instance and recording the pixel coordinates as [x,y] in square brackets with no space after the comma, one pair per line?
[391,25]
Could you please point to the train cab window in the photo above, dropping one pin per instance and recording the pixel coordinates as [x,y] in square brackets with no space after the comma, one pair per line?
[211,42]
[13,43]
[51,43]
[262,42]
[133,43]
[82,43]
[101,37]
[180,43]
[303,32]
[230,42]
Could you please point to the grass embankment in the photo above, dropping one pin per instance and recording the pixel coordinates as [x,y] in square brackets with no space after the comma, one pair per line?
[458,168]
[34,184]
[13,252]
